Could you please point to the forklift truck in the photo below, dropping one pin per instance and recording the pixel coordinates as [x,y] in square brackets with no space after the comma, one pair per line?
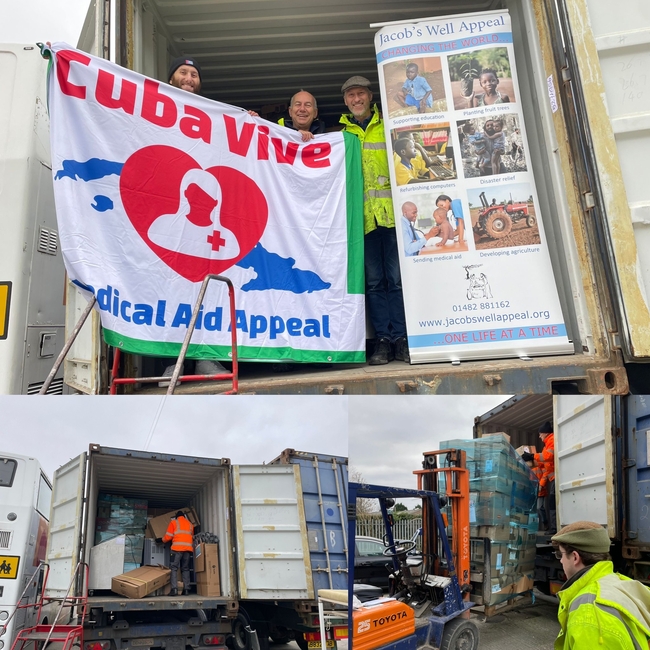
[428,604]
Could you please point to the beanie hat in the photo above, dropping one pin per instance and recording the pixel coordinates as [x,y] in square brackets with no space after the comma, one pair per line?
[180,513]
[183,60]
[587,536]
[547,427]
[354,82]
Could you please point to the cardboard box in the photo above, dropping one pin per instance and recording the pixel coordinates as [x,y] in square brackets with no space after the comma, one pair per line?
[140,582]
[207,576]
[529,450]
[157,526]
[205,555]
[505,436]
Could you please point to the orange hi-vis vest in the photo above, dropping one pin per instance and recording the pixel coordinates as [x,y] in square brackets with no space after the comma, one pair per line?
[179,532]
[546,460]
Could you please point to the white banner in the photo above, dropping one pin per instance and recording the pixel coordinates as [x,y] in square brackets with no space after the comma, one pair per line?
[156,187]
[476,274]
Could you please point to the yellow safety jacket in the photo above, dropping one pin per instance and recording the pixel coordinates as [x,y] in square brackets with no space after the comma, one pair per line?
[377,197]
[603,610]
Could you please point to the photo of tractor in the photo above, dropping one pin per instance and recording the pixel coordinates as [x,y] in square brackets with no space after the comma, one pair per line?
[496,219]
[503,216]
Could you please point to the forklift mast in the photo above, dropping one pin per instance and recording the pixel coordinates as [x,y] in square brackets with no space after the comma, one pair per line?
[445,472]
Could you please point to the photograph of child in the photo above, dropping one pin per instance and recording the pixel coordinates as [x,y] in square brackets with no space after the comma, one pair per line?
[503,216]
[423,153]
[491,146]
[415,86]
[432,224]
[481,78]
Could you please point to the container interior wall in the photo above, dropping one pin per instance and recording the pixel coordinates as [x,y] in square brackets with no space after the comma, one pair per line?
[165,485]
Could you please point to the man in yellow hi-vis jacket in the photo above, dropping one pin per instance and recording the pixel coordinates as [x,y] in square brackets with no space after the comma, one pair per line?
[598,608]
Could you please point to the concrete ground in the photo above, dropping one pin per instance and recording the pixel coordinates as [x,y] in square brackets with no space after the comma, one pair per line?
[533,627]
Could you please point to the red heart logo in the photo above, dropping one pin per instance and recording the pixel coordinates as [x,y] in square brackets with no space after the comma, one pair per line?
[196,221]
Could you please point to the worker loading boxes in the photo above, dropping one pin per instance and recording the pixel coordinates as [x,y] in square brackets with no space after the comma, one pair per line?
[113,508]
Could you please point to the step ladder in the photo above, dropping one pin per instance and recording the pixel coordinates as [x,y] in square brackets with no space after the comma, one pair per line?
[176,378]
[68,634]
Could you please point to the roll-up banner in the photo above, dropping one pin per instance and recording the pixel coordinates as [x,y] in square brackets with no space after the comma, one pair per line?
[476,273]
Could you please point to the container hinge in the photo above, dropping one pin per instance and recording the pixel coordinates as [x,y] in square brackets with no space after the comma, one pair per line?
[615,340]
[566,74]
[628,462]
[588,201]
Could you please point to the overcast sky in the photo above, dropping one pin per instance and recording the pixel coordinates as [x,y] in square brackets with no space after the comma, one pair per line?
[388,435]
[31,21]
[246,429]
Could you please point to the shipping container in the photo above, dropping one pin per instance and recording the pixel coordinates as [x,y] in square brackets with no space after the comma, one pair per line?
[602,469]
[583,73]
[257,513]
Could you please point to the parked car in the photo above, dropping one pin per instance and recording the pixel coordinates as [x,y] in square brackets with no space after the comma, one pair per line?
[371,566]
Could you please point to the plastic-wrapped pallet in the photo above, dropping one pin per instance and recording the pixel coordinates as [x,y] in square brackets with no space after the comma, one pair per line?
[503,519]
[118,515]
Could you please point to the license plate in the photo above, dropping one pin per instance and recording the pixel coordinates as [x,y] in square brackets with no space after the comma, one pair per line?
[317,644]
[142,642]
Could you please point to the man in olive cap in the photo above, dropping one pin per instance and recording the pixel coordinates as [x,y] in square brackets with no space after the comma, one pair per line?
[598,608]
[383,280]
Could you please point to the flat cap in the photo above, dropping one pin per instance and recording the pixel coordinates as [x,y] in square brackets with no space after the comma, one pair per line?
[585,536]
[354,82]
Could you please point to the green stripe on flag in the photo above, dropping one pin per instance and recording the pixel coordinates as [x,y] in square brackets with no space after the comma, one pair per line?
[354,200]
[222,352]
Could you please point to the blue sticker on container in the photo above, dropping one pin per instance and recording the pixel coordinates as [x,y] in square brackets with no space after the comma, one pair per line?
[488,465]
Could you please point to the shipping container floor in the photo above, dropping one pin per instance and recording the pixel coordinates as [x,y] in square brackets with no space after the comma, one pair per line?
[506,377]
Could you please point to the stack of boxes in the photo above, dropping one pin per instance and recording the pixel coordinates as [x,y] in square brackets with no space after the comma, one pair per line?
[117,515]
[503,517]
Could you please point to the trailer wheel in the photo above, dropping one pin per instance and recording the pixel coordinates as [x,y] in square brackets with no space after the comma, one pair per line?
[460,634]
[531,220]
[240,640]
[498,225]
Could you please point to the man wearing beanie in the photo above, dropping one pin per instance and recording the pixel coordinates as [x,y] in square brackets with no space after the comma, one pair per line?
[383,280]
[545,471]
[185,73]
[598,608]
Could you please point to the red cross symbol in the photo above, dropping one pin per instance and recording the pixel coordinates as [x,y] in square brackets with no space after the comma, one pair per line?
[216,240]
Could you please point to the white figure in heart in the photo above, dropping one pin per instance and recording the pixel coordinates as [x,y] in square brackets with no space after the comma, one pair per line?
[196,227]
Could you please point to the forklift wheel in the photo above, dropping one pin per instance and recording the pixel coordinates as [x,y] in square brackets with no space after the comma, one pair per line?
[460,634]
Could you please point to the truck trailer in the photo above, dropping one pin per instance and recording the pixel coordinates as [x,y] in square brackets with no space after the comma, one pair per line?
[280,534]
[583,69]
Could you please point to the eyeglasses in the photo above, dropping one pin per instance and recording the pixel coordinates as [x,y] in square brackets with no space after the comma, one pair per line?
[558,554]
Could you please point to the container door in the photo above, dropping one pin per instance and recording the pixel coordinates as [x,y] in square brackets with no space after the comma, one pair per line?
[325,488]
[617,93]
[64,539]
[272,546]
[81,366]
[584,460]
[638,475]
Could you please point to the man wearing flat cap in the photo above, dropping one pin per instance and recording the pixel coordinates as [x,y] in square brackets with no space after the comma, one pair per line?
[545,471]
[598,608]
[383,280]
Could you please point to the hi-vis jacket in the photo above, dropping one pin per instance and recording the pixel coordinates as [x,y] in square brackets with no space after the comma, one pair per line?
[179,532]
[546,461]
[603,610]
[377,197]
